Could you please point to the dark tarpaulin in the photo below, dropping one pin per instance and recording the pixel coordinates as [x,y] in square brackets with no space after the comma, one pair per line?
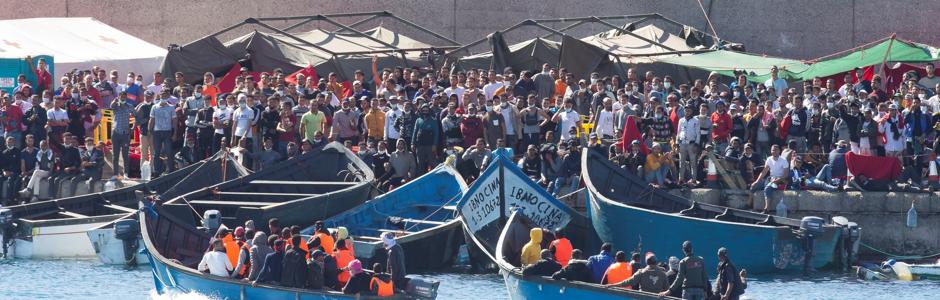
[198,57]
[267,53]
[581,58]
[501,53]
[527,55]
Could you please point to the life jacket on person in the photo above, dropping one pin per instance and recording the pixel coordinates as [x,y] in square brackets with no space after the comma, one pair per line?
[246,264]
[343,234]
[231,248]
[343,257]
[303,246]
[382,285]
[562,250]
[618,272]
[326,240]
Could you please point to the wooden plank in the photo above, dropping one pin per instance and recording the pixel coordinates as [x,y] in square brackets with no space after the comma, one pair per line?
[229,203]
[292,182]
[120,208]
[266,194]
[72,215]
[416,221]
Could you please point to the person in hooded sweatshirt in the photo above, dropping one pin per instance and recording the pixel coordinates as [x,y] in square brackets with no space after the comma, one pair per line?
[358,280]
[315,270]
[271,270]
[260,248]
[531,251]
[576,269]
[294,265]
[395,265]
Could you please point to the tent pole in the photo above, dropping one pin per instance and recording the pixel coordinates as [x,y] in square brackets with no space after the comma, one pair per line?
[302,23]
[422,29]
[564,29]
[630,33]
[341,15]
[293,37]
[360,22]
[360,33]
[477,42]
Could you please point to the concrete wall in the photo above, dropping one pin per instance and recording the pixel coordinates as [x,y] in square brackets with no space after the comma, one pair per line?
[791,28]
[882,215]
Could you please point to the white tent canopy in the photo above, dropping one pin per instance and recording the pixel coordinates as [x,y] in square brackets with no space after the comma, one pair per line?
[78,43]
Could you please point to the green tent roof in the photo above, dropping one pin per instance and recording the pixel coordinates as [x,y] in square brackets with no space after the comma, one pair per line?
[900,51]
[726,62]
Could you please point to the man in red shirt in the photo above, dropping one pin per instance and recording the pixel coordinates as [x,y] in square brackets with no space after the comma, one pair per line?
[11,116]
[92,91]
[721,127]
[43,77]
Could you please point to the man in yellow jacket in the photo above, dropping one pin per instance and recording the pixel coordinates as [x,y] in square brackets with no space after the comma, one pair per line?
[375,122]
[530,252]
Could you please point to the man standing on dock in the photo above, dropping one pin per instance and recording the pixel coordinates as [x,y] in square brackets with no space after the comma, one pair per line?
[691,276]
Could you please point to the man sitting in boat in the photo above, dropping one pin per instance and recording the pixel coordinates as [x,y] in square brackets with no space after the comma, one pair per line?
[532,249]
[381,284]
[651,279]
[358,279]
[618,271]
[600,262]
[294,265]
[545,266]
[215,262]
[576,270]
[271,270]
[315,270]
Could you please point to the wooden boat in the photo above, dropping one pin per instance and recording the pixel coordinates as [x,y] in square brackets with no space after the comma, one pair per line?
[176,246]
[298,191]
[869,274]
[113,250]
[925,271]
[632,215]
[56,229]
[501,188]
[513,237]
[420,213]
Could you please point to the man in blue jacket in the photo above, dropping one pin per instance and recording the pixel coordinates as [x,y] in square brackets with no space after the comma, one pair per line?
[599,263]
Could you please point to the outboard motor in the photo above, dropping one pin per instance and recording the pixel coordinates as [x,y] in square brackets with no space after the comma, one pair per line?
[128,231]
[211,221]
[421,288]
[810,226]
[7,229]
[851,240]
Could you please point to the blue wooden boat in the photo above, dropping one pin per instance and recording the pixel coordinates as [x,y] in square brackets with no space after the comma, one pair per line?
[176,247]
[516,234]
[501,188]
[420,213]
[629,213]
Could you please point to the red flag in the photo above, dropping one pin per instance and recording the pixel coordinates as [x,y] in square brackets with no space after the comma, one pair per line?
[347,89]
[227,84]
[632,133]
[785,126]
[308,72]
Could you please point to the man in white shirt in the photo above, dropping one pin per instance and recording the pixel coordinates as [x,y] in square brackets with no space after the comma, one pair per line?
[455,89]
[391,133]
[215,262]
[688,141]
[934,102]
[779,84]
[604,121]
[157,85]
[775,170]
[495,82]
[221,121]
[242,119]
[569,119]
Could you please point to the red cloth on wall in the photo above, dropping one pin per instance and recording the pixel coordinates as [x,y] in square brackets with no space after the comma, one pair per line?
[873,167]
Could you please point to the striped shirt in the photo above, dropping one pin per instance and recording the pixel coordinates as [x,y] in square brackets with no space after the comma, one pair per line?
[122,116]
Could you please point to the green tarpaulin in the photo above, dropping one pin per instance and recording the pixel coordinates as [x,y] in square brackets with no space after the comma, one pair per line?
[899,51]
[727,62]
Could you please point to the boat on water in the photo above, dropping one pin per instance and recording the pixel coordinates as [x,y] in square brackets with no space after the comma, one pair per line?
[297,191]
[514,236]
[633,215]
[923,271]
[501,188]
[119,242]
[55,229]
[422,215]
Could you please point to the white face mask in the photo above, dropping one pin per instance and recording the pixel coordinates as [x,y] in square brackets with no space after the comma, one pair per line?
[198,95]
[922,96]
[829,105]
[737,94]
[89,146]
[74,95]
[242,105]
[667,85]
[850,98]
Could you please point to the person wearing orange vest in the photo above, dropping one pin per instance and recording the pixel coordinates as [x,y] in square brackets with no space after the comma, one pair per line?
[381,284]
[343,256]
[244,263]
[231,247]
[326,240]
[562,247]
[343,234]
[619,270]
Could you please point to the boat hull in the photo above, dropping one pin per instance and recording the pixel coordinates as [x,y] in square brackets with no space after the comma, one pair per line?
[59,240]
[758,248]
[433,249]
[110,250]
[925,271]
[520,288]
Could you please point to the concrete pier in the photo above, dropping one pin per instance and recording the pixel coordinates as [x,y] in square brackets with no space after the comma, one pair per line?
[882,215]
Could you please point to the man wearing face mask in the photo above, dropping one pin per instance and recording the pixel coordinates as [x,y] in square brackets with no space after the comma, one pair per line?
[379,158]
[92,160]
[513,123]
[162,127]
[35,119]
[191,107]
[850,121]
[799,124]
[242,118]
[345,124]
[916,127]
[405,124]
[544,82]
[121,133]
[389,130]
[687,140]
[568,119]
[425,140]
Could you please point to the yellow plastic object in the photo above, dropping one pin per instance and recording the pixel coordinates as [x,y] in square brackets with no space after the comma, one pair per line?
[903,271]
[103,131]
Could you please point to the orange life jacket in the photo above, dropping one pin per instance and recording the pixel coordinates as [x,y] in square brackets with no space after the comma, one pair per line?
[562,251]
[246,265]
[618,272]
[326,241]
[231,249]
[343,257]
[382,288]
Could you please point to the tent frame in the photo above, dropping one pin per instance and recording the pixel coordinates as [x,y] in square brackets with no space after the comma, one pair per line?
[351,28]
[601,20]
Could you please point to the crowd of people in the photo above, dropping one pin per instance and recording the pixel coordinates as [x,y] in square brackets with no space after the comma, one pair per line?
[325,261]
[403,121]
[684,278]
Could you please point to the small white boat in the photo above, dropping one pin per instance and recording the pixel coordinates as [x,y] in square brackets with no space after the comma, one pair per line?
[925,271]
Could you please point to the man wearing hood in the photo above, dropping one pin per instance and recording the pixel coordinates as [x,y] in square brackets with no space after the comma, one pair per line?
[358,280]
[532,249]
[395,265]
[545,266]
[260,248]
[315,269]
[294,265]
[425,140]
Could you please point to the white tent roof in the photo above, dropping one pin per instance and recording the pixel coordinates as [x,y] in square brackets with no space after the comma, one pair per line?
[78,43]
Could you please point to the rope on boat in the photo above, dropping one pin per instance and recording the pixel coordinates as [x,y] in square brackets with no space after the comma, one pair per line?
[904,257]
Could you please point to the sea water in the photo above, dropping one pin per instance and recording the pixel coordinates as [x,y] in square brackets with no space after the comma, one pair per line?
[69,279]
